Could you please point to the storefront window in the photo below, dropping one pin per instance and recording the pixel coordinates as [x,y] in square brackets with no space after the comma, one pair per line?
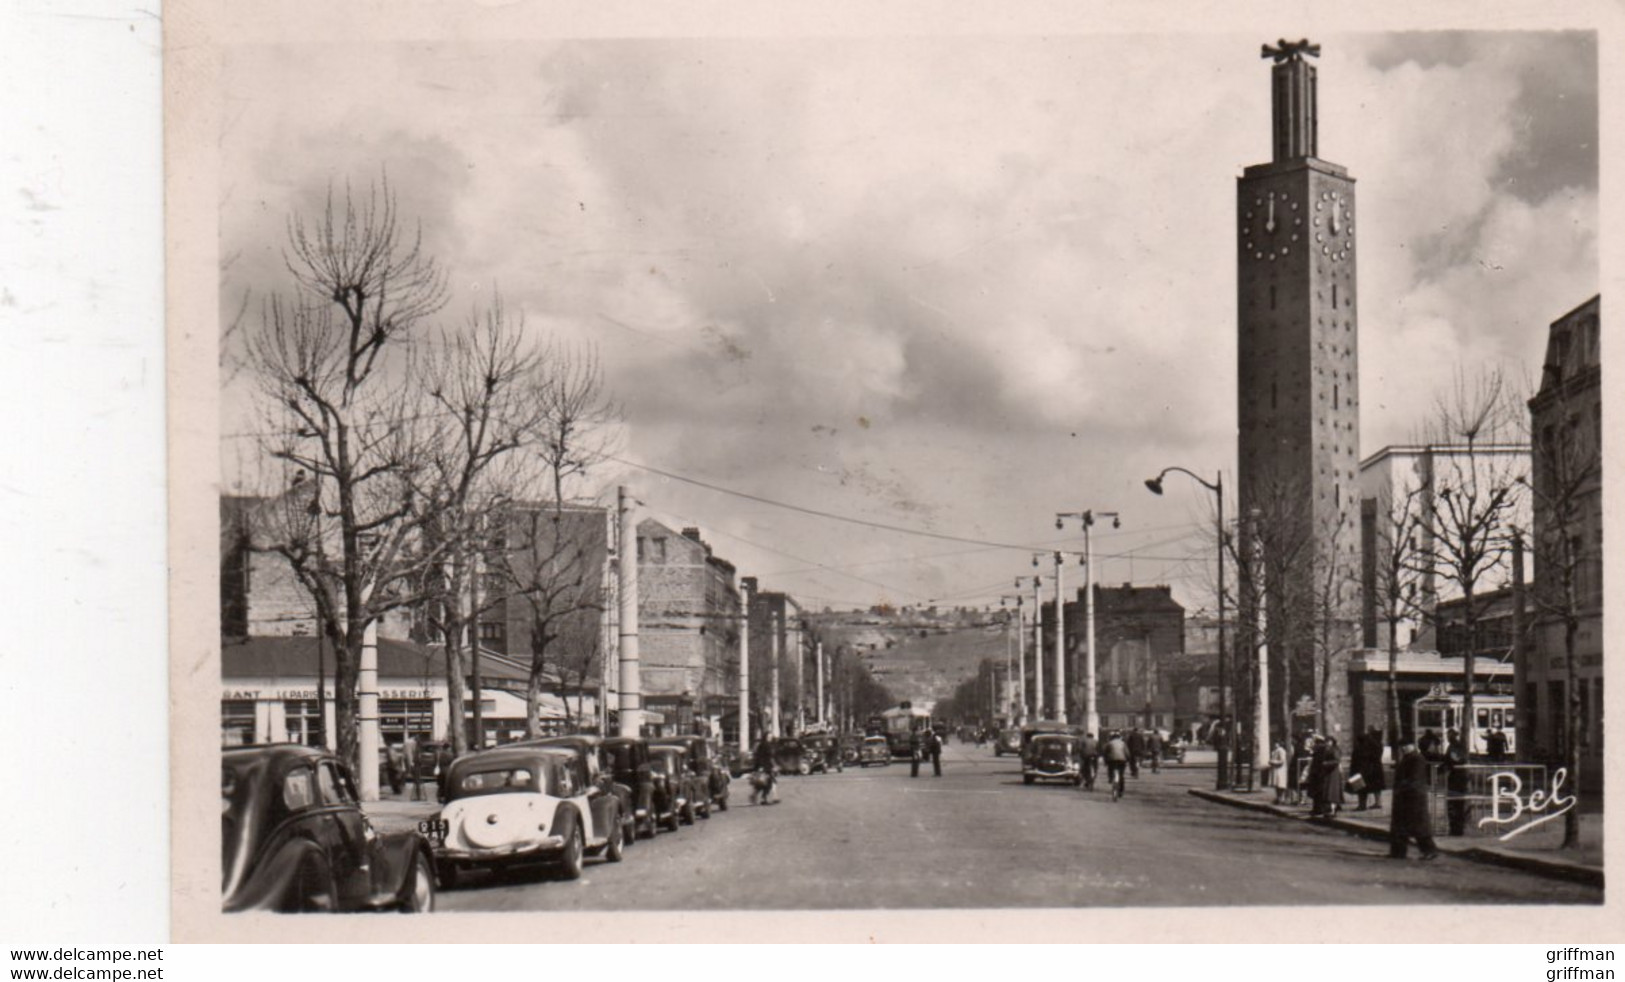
[399,718]
[236,722]
[304,721]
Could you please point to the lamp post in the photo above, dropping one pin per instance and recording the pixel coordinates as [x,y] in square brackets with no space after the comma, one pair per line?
[1227,749]
[1021,654]
[1091,714]
[1038,646]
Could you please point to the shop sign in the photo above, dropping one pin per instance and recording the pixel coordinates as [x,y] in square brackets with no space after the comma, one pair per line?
[405,694]
[240,694]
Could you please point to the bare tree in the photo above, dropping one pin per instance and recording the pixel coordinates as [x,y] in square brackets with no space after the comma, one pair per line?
[1333,608]
[473,391]
[336,406]
[1567,482]
[1474,492]
[1393,555]
[1276,565]
[557,563]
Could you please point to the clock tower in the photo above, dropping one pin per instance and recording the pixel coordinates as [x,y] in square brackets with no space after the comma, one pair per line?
[1298,387]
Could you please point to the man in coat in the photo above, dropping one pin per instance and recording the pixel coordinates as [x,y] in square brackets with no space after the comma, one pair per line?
[1089,754]
[1455,783]
[1136,750]
[1153,750]
[1410,819]
[933,748]
[1367,763]
[916,750]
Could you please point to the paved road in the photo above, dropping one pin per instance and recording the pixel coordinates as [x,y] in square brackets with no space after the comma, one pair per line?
[977,837]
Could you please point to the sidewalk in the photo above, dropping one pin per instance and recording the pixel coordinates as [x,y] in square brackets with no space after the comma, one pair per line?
[1582,865]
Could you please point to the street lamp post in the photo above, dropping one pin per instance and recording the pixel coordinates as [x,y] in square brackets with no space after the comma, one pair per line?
[1091,713]
[1021,654]
[1227,749]
[1038,647]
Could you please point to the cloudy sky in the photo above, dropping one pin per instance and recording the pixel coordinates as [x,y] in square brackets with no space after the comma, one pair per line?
[954,285]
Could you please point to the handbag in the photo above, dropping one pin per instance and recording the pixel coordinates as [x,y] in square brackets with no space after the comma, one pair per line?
[1356,784]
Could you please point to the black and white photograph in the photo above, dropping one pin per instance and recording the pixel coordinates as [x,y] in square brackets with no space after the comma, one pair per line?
[1149,474]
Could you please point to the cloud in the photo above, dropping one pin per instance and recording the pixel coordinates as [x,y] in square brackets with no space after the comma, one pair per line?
[949,283]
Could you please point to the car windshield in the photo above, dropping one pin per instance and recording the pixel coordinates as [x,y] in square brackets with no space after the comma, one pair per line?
[497,780]
[660,763]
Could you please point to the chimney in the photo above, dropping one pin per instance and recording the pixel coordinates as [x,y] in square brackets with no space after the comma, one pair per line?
[692,533]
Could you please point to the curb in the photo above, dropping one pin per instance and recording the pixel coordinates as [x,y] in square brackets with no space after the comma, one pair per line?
[1559,869]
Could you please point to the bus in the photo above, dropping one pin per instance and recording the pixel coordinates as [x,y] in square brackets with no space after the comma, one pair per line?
[899,726]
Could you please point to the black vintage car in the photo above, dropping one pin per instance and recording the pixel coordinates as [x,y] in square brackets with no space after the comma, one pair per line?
[627,760]
[1053,757]
[590,749]
[823,753]
[683,789]
[293,838]
[704,763]
[791,756]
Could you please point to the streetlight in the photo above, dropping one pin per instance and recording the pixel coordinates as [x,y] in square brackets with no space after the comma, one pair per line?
[1020,707]
[1038,643]
[1091,715]
[1227,749]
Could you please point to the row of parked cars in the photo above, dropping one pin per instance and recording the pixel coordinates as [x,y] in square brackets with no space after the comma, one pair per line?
[295,838]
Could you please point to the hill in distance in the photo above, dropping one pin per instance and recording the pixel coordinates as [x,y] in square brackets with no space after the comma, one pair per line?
[921,656]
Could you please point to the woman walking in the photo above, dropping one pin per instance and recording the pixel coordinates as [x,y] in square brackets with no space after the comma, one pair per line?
[1367,766]
[1280,763]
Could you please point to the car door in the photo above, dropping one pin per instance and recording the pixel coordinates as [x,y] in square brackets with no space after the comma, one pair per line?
[351,837]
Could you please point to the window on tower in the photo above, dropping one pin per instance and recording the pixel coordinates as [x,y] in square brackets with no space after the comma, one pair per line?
[1272,395]
[1334,296]
[1334,395]
[1272,296]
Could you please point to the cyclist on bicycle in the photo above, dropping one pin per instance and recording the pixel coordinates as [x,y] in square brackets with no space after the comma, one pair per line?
[1116,754]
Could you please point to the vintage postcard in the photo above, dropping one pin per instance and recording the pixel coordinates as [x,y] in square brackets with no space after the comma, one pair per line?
[888,474]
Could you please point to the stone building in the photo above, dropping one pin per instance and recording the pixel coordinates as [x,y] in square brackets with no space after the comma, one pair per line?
[777,629]
[1566,425]
[1139,639]
[1297,368]
[688,630]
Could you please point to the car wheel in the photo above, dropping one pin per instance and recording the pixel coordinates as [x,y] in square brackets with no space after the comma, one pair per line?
[705,810]
[311,891]
[1026,779]
[722,803]
[616,850]
[673,820]
[449,876]
[575,852]
[804,769]
[687,817]
[419,897]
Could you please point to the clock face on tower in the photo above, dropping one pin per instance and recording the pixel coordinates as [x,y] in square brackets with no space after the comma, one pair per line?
[1272,226]
[1333,226]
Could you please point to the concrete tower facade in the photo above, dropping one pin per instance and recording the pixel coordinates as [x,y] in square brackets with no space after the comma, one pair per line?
[1298,388]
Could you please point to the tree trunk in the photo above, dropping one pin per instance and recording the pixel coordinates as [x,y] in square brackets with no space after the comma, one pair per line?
[1395,727]
[1469,670]
[1571,728]
[346,673]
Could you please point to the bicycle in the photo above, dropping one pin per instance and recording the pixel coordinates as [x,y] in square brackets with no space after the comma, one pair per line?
[1115,775]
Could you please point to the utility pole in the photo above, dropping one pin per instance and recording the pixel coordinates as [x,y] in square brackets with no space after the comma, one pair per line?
[1091,714]
[631,701]
[1060,641]
[1038,647]
[473,622]
[744,671]
[367,711]
[775,625]
[818,658]
[1260,619]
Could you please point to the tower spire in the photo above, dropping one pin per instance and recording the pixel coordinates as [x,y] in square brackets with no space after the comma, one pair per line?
[1293,86]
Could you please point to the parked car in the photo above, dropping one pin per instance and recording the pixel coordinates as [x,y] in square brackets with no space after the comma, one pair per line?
[627,761]
[875,750]
[518,805]
[791,756]
[1007,742]
[685,794]
[851,748]
[823,753]
[293,838]
[590,749]
[702,761]
[1052,757]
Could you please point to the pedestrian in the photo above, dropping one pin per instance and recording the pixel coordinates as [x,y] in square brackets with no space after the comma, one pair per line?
[1496,744]
[1089,759]
[915,751]
[933,747]
[1136,750]
[1429,745]
[1153,748]
[1409,819]
[1280,764]
[409,749]
[1334,778]
[442,766]
[1455,783]
[1367,767]
[1298,769]
[1117,755]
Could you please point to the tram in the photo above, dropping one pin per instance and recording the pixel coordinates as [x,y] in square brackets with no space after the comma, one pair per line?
[899,726]
[1441,712]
